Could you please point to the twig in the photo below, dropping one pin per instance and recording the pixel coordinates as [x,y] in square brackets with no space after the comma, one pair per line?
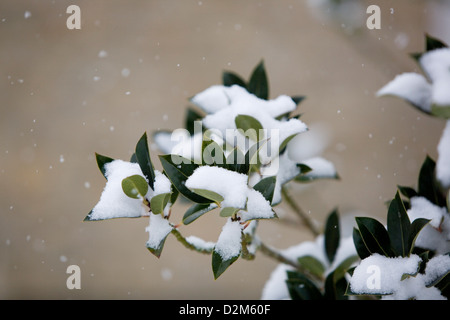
[303,216]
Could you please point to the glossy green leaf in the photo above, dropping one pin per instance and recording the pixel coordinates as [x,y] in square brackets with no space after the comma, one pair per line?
[312,265]
[159,202]
[407,191]
[191,116]
[266,187]
[178,170]
[399,227]
[135,186]
[428,186]
[301,288]
[101,161]
[335,287]
[213,154]
[208,194]
[143,158]
[251,127]
[196,211]
[230,78]
[219,265]
[360,246]
[332,235]
[258,83]
[416,226]
[374,236]
[228,211]
[433,43]
[158,250]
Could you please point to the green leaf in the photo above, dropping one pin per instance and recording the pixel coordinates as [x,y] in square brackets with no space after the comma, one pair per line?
[258,83]
[301,288]
[416,226]
[311,264]
[440,111]
[266,187]
[192,116]
[399,227]
[143,158]
[374,236]
[135,186]
[428,186]
[158,250]
[228,211]
[332,235]
[219,265]
[101,161]
[335,287]
[360,246]
[407,191]
[231,78]
[196,211]
[178,169]
[252,128]
[213,154]
[208,194]
[159,202]
[433,43]
[298,99]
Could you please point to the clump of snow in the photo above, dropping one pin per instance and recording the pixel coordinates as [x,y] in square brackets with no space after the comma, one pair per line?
[436,235]
[232,186]
[397,278]
[228,245]
[200,244]
[275,288]
[443,161]
[161,185]
[223,104]
[412,87]
[321,168]
[158,229]
[234,189]
[114,203]
[257,206]
[378,274]
[416,89]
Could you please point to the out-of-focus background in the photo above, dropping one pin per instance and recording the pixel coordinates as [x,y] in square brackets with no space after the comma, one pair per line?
[66,94]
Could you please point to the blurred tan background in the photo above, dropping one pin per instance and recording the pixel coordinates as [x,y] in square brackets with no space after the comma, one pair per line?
[66,94]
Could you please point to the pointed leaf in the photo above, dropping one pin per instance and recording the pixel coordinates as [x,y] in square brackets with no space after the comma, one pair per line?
[258,83]
[191,116]
[178,169]
[219,265]
[433,43]
[266,187]
[101,161]
[230,78]
[399,227]
[208,194]
[252,128]
[407,191]
[428,186]
[360,246]
[311,264]
[228,211]
[416,226]
[143,158]
[332,235]
[159,202]
[135,186]
[196,211]
[301,288]
[374,236]
[298,99]
[335,287]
